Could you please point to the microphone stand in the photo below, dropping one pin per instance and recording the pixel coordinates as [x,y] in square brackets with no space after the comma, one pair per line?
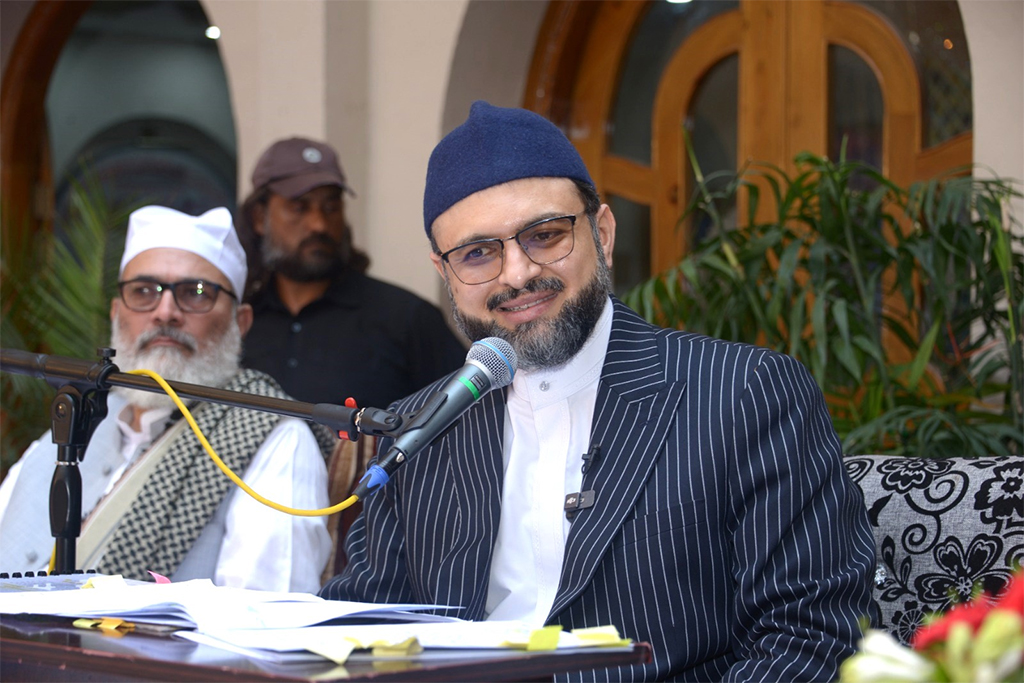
[81,404]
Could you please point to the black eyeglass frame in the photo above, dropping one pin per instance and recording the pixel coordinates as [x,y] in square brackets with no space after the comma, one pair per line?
[501,242]
[172,287]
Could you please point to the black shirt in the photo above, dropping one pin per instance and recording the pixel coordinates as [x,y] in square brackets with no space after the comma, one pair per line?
[364,339]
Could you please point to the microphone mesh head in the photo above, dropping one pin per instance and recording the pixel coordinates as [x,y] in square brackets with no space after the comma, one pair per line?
[498,356]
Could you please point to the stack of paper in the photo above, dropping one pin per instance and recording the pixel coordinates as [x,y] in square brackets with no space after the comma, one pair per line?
[280,645]
[200,605]
[285,627]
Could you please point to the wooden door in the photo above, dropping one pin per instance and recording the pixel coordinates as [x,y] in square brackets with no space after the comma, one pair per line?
[780,53]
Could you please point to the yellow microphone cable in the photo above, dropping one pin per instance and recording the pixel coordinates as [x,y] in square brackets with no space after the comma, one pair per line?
[348,502]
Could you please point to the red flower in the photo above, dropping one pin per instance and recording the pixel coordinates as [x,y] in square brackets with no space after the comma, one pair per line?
[972,614]
[1013,598]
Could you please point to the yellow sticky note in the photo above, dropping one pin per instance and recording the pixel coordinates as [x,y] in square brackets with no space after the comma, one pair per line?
[100,581]
[406,648]
[335,649]
[600,636]
[544,638]
[109,626]
[112,624]
[85,623]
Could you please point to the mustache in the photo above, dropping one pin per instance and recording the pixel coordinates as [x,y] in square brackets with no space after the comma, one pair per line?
[541,284]
[320,240]
[183,338]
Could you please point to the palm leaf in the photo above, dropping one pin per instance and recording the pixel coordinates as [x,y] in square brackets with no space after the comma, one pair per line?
[810,282]
[56,298]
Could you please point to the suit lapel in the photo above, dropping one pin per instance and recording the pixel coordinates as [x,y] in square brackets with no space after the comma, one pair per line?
[634,410]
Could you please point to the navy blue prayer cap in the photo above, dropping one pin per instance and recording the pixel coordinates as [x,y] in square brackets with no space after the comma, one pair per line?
[496,145]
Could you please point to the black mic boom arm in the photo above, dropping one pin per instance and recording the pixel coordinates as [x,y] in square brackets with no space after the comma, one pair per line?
[59,370]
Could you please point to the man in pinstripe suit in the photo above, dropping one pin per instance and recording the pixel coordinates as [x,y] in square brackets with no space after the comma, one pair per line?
[687,490]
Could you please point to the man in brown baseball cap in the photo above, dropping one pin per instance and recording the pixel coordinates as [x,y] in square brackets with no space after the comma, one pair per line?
[323,328]
[295,166]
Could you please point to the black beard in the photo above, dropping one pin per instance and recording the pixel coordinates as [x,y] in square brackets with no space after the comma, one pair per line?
[544,343]
[325,262]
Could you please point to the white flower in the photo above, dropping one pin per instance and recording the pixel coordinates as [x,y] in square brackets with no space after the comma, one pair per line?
[882,659]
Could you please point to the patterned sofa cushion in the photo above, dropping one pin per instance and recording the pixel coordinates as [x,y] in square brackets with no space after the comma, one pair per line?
[941,528]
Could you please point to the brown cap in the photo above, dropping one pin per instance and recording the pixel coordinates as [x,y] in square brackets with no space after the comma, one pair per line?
[295,166]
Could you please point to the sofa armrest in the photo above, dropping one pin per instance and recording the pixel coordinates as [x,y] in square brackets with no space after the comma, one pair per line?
[943,528]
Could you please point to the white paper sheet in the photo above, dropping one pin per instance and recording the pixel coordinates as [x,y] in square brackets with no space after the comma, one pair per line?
[199,604]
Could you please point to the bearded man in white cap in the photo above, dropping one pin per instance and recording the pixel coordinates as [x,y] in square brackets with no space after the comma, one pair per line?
[152,499]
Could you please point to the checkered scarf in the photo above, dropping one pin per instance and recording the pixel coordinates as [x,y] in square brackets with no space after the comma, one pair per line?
[182,495]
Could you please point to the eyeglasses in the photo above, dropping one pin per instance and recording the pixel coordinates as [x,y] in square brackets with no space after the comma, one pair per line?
[192,296]
[544,242]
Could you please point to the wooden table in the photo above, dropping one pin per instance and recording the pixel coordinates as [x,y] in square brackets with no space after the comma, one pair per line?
[49,649]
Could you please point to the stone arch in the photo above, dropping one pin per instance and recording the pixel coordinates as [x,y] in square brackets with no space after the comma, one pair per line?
[492,57]
[24,165]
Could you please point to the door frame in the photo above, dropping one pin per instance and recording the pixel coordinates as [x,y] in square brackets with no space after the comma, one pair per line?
[26,184]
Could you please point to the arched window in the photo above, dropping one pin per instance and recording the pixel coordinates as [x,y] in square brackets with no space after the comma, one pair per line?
[80,70]
[139,98]
[750,80]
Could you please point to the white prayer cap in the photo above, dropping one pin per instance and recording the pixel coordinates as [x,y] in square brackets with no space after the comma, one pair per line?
[211,236]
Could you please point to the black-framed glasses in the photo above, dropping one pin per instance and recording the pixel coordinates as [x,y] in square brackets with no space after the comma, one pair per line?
[192,296]
[544,242]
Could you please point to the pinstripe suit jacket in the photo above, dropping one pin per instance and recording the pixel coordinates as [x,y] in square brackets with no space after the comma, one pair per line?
[725,531]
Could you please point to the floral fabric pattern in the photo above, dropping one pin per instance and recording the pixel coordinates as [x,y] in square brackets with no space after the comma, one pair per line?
[1001,499]
[943,528]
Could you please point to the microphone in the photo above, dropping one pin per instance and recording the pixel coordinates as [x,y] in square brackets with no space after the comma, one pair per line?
[490,364]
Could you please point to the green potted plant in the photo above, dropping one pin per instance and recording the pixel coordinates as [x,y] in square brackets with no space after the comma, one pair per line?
[55,298]
[905,304]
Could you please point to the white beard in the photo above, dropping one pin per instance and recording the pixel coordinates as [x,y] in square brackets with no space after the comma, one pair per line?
[212,364]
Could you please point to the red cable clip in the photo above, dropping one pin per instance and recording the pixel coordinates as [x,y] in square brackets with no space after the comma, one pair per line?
[349,403]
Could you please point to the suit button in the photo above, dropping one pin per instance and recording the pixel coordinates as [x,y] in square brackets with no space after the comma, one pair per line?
[293,362]
[296,327]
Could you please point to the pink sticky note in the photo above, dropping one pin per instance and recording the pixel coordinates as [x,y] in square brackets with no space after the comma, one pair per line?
[160,578]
